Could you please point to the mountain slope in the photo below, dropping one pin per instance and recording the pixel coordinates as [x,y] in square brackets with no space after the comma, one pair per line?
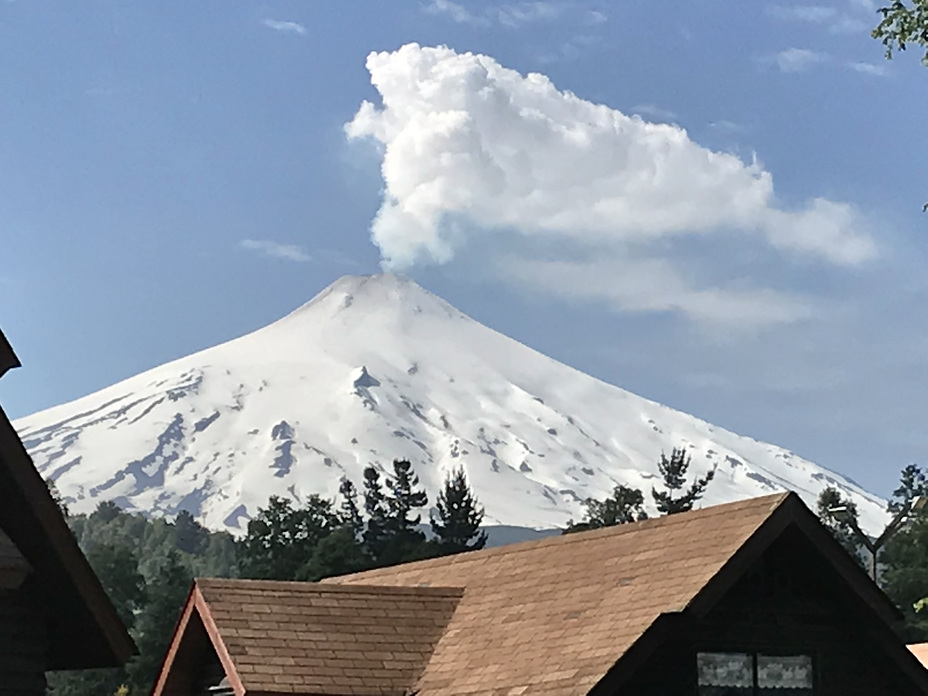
[372,369]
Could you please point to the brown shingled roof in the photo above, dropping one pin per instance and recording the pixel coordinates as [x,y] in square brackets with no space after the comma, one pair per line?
[304,638]
[564,616]
[574,603]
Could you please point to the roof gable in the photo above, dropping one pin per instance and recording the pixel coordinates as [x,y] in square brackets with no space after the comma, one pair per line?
[290,637]
[85,630]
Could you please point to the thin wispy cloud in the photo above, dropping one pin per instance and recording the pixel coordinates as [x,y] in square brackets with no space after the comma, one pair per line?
[285,27]
[814,14]
[726,126]
[272,249]
[826,16]
[868,69]
[579,199]
[514,15]
[654,111]
[796,60]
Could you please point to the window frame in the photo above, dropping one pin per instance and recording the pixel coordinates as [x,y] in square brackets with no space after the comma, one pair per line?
[756,690]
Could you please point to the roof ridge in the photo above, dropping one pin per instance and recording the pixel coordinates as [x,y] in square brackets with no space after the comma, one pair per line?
[774,500]
[307,586]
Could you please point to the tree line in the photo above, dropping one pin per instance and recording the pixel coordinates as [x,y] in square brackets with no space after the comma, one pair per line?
[626,504]
[147,565]
[376,527]
[902,569]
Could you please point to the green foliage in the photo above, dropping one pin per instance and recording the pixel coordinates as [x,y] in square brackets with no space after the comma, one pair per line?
[166,595]
[829,500]
[624,505]
[339,553]
[281,539]
[375,507]
[457,527]
[117,567]
[905,556]
[913,482]
[146,567]
[348,510]
[403,540]
[673,472]
[903,24]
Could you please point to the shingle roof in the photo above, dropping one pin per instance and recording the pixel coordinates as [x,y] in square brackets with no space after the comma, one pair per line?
[556,617]
[302,638]
[553,616]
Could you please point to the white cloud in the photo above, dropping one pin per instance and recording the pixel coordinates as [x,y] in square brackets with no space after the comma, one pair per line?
[267,247]
[868,68]
[656,285]
[474,152]
[794,60]
[285,27]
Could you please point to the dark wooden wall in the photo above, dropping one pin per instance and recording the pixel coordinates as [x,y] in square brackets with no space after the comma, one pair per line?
[790,602]
[23,643]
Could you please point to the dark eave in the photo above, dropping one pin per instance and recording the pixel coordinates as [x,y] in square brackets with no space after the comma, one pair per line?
[8,359]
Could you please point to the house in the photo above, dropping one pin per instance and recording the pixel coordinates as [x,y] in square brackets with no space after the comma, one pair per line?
[753,597]
[54,613]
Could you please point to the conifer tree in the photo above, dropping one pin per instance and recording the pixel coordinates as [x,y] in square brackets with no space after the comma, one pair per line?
[673,471]
[348,511]
[624,505]
[281,538]
[457,528]
[375,508]
[830,499]
[166,592]
[405,541]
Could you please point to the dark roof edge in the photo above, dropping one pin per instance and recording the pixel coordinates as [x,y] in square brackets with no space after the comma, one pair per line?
[786,512]
[66,558]
[8,359]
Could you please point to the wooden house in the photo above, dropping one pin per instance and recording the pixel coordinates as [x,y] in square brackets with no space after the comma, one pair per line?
[54,613]
[752,598]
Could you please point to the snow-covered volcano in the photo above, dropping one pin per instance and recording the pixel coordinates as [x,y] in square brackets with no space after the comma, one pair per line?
[376,368]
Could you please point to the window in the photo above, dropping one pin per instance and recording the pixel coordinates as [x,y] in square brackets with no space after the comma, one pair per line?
[750,674]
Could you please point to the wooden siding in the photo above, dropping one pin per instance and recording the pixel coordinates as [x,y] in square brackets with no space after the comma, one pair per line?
[788,603]
[23,644]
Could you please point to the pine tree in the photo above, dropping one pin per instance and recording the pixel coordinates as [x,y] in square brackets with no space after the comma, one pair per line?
[830,499]
[166,592]
[190,536]
[905,556]
[624,505]
[457,528]
[281,538]
[913,483]
[340,553]
[673,471]
[375,507]
[404,541]
[348,511]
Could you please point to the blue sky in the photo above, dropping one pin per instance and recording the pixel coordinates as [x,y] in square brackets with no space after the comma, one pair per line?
[176,174]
